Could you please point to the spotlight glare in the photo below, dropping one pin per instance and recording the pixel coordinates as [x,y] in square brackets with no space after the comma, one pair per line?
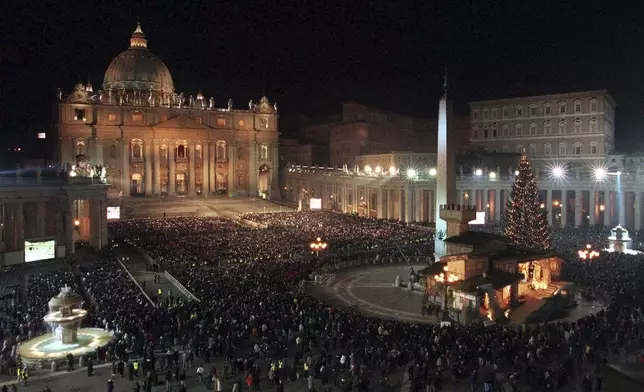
[392,170]
[432,172]
[516,172]
[619,173]
[557,172]
[478,172]
[600,173]
[492,175]
[411,173]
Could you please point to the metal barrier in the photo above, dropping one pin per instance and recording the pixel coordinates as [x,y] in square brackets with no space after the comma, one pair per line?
[135,281]
[181,287]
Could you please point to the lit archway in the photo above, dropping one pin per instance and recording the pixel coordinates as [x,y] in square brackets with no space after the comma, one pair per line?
[264,181]
[136,186]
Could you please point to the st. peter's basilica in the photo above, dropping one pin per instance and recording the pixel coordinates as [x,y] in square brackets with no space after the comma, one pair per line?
[152,140]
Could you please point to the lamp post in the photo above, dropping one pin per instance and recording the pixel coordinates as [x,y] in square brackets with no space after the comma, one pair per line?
[318,246]
[445,278]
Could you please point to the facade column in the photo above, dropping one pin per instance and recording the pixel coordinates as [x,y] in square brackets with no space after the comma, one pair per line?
[430,206]
[212,171]
[418,205]
[94,221]
[578,207]
[637,223]
[191,170]
[607,208]
[497,205]
[172,163]
[98,152]
[355,200]
[8,227]
[103,223]
[205,168]
[252,169]
[126,182]
[274,189]
[231,185]
[147,145]
[409,204]
[156,156]
[41,218]
[548,205]
[20,225]
[564,207]
[379,208]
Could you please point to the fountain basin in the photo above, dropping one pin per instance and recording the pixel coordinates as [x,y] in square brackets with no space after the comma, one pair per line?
[47,348]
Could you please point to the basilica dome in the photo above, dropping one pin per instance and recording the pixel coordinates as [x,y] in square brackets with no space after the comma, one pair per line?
[138,69]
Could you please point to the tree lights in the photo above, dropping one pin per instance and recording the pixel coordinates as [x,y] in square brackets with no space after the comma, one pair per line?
[527,222]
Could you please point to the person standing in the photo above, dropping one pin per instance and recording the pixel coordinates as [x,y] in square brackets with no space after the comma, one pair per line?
[90,366]
[110,385]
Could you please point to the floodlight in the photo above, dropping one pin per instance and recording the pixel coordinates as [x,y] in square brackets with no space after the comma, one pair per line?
[619,173]
[478,172]
[392,170]
[557,172]
[432,172]
[600,173]
[492,175]
[411,173]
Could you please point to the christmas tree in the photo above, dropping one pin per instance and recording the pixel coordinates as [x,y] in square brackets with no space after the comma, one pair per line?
[526,221]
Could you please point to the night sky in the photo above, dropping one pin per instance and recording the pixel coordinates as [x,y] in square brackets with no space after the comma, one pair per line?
[310,56]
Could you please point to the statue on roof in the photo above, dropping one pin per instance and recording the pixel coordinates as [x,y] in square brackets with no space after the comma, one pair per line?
[191,102]
[230,104]
[275,107]
[250,105]
[211,103]
[264,106]
[79,95]
[59,94]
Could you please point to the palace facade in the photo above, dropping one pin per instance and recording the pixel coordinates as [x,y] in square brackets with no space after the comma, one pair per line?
[155,141]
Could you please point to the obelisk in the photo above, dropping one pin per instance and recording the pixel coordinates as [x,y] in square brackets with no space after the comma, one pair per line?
[445,160]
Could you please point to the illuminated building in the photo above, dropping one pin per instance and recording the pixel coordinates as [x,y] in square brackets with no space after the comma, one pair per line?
[155,141]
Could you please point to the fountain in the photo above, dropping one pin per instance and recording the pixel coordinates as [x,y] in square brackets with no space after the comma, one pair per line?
[64,318]
[619,241]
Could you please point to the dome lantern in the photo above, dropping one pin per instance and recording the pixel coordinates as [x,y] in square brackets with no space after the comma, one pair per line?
[138,40]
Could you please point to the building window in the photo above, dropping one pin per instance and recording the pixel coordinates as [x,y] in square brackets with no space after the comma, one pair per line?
[506,130]
[519,129]
[136,117]
[79,115]
[485,133]
[519,111]
[494,134]
[593,149]
[111,117]
[533,149]
[164,151]
[263,151]
[533,111]
[181,151]
[577,107]
[80,148]
[137,150]
[240,123]
[577,149]
[221,150]
[263,123]
[476,133]
[546,110]
[486,114]
[562,148]
[475,115]
[577,126]
[593,106]
[221,122]
[593,125]
[562,127]
[112,150]
[494,114]
[533,129]
[198,152]
[547,128]
[562,108]
[505,112]
[547,149]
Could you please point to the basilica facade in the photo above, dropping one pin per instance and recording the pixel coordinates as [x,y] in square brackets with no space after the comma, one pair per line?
[154,141]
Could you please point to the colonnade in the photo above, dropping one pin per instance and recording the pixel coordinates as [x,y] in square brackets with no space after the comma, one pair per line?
[414,201]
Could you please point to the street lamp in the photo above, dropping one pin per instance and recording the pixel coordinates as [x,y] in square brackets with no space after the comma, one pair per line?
[318,246]
[445,278]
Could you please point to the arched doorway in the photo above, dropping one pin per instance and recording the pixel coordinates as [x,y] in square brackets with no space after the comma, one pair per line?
[136,185]
[181,183]
[264,182]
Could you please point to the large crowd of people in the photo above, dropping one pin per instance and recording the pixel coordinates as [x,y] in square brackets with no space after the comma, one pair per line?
[253,312]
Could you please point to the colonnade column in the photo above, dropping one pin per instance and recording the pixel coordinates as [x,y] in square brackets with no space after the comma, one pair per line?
[172,186]
[205,168]
[418,205]
[621,200]
[430,206]
[564,207]
[148,168]
[157,168]
[191,170]
[379,208]
[125,170]
[578,207]
[607,208]
[231,169]
[592,205]
[94,221]
[497,205]
[486,202]
[69,227]
[41,217]
[19,225]
[274,190]
[637,223]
